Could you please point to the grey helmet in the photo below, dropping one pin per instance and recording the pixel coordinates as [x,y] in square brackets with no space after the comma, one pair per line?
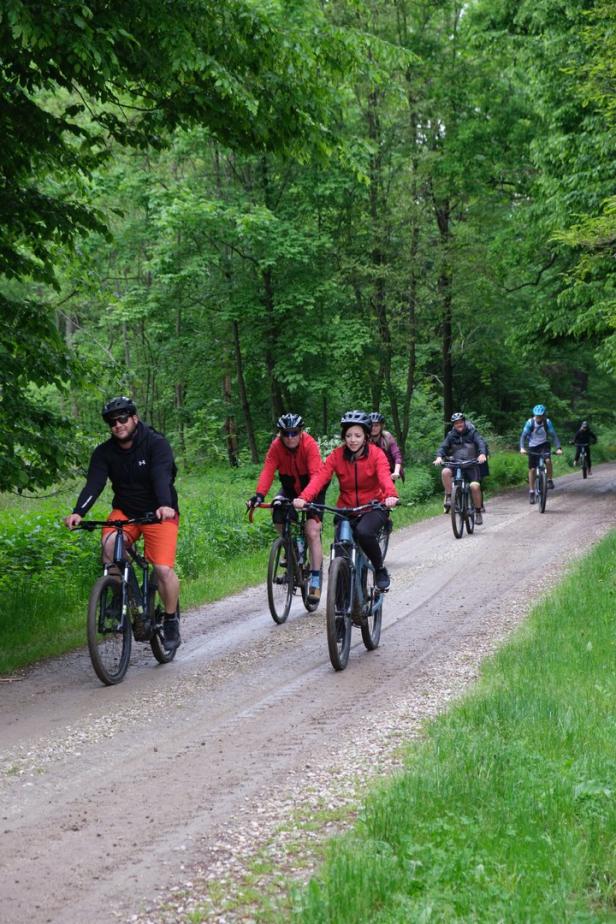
[457,416]
[290,422]
[356,418]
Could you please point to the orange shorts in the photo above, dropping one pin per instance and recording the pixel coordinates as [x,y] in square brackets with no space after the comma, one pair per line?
[160,539]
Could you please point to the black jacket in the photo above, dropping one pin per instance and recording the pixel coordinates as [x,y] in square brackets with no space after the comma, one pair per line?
[462,446]
[585,437]
[142,477]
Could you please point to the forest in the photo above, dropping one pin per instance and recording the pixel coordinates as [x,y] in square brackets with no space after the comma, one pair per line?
[229,209]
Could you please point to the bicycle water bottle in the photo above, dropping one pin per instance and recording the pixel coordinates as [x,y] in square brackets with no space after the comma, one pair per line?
[299,545]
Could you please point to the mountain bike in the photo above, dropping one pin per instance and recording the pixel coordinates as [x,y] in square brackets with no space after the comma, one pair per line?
[122,607]
[353,599]
[462,506]
[541,482]
[583,458]
[288,568]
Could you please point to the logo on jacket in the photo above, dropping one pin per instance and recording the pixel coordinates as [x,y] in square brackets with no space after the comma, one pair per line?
[142,462]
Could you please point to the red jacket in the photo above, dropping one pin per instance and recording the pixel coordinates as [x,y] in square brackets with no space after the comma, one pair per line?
[295,467]
[362,480]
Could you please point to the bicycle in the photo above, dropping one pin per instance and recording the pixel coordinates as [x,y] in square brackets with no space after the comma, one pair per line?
[120,608]
[583,458]
[288,568]
[462,506]
[541,482]
[353,599]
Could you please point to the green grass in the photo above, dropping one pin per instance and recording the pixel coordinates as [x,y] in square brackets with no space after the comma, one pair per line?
[47,572]
[507,811]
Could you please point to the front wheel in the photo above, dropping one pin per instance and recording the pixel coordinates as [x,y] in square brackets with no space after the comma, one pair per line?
[280,580]
[338,616]
[109,633]
[584,466]
[542,489]
[457,512]
[371,623]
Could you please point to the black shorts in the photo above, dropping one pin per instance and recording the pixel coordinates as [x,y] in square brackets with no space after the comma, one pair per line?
[278,510]
[536,451]
[469,472]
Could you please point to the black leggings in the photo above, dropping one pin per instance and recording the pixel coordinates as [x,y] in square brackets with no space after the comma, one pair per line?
[365,529]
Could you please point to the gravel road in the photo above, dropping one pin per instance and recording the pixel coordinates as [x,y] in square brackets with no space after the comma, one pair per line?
[144,801]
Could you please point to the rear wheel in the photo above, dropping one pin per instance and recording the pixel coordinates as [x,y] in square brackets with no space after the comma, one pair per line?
[371,624]
[109,635]
[457,511]
[469,511]
[157,642]
[305,584]
[383,537]
[542,489]
[338,615]
[280,580]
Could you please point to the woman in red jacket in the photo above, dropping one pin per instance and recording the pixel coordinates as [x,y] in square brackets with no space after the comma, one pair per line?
[363,474]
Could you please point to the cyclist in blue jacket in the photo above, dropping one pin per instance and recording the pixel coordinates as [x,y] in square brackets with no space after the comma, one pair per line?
[538,431]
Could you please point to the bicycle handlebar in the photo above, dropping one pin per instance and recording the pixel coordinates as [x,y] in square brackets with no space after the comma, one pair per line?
[90,525]
[450,461]
[348,511]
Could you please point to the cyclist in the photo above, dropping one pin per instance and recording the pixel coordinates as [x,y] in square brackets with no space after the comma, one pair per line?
[295,455]
[538,430]
[385,441]
[462,443]
[584,437]
[363,475]
[139,463]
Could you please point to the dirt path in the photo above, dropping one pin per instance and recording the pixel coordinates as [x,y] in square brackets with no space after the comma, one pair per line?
[110,797]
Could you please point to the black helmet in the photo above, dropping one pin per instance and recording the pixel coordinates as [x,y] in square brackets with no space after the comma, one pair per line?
[457,416]
[357,419]
[290,422]
[116,406]
[376,417]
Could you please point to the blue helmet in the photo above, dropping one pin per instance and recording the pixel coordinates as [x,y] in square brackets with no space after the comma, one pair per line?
[539,409]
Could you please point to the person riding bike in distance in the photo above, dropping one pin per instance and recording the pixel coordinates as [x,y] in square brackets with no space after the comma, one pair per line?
[538,431]
[584,437]
[295,455]
[363,474]
[462,443]
[139,463]
[385,441]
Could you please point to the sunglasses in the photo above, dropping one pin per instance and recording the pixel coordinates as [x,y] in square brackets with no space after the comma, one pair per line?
[121,418]
[290,432]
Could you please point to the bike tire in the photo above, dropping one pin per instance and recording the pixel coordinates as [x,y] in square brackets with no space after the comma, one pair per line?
[371,624]
[109,646]
[542,486]
[157,642]
[338,613]
[383,538]
[305,584]
[584,467]
[280,583]
[469,516]
[457,512]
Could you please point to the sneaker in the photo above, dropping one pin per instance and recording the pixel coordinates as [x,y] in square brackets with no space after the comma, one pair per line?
[478,518]
[314,593]
[447,503]
[171,632]
[382,578]
[550,483]
[531,497]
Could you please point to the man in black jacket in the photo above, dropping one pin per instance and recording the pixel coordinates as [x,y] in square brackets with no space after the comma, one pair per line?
[462,443]
[584,437]
[139,463]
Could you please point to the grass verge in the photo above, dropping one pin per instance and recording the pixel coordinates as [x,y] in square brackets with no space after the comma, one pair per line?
[507,811]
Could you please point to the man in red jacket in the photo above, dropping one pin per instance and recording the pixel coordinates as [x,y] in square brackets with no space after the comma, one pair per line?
[295,456]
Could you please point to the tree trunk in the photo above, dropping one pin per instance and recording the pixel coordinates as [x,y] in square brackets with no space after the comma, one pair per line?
[444,289]
[239,368]
[230,428]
